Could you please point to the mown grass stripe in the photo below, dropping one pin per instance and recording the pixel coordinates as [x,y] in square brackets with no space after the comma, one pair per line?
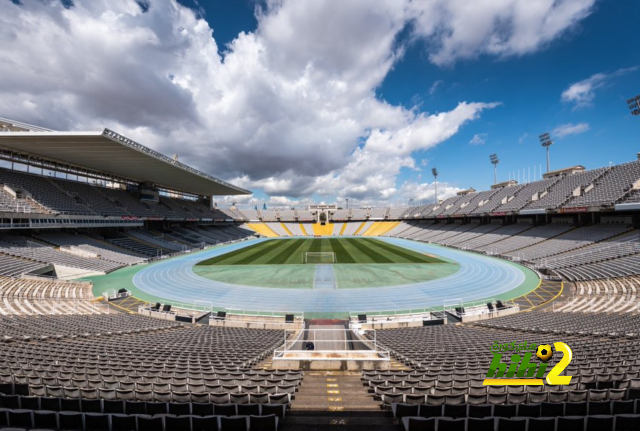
[342,255]
[230,258]
[412,257]
[287,254]
[347,250]
[364,248]
[316,245]
[251,257]
[390,253]
[358,256]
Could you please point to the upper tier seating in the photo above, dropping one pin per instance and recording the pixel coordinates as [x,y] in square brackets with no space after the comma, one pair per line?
[610,187]
[526,195]
[633,196]
[44,191]
[11,204]
[132,205]
[287,215]
[563,190]
[397,212]
[92,197]
[460,203]
[341,215]
[476,201]
[269,215]
[443,206]
[359,213]
[501,197]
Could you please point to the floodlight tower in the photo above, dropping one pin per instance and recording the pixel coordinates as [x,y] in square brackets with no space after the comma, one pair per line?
[545,141]
[494,161]
[434,171]
[634,105]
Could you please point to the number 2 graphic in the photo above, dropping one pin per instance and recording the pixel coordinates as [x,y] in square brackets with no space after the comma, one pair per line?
[554,377]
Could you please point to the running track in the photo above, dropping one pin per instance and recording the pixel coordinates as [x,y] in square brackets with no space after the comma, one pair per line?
[479,277]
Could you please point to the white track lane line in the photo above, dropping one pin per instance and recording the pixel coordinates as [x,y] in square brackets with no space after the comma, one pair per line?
[479,277]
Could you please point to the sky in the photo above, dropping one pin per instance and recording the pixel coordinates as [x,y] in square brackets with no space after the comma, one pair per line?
[325,100]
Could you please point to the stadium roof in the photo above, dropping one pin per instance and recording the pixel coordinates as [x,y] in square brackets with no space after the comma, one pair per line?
[111,153]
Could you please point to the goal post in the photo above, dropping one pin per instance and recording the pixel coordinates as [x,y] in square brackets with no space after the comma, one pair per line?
[319,257]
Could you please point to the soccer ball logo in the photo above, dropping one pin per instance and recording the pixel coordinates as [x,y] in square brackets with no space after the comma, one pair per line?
[544,352]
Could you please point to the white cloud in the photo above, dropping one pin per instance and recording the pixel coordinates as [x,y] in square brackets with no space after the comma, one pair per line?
[570,129]
[435,86]
[289,108]
[461,29]
[478,139]
[522,138]
[582,93]
[425,192]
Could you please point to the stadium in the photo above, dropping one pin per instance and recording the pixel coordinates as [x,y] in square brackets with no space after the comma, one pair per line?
[369,287]
[139,292]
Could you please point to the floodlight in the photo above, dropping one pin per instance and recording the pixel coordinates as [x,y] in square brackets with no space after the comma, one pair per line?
[435,173]
[634,105]
[546,142]
[494,161]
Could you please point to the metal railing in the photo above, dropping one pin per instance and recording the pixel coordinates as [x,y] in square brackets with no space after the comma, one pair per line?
[295,343]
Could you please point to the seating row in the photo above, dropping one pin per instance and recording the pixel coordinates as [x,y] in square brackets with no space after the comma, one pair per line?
[74,421]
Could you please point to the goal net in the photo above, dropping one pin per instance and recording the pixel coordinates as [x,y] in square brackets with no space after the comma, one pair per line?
[319,257]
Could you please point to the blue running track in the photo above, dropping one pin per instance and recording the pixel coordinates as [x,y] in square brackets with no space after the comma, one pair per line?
[479,277]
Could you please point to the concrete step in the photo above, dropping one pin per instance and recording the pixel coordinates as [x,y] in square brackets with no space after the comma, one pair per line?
[335,392]
[342,420]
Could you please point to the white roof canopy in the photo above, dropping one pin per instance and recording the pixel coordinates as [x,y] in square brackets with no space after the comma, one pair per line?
[110,153]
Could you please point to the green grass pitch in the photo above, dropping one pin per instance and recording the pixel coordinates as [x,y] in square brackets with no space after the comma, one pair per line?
[347,250]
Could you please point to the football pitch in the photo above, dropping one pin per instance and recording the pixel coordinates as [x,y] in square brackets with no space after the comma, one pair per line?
[347,250]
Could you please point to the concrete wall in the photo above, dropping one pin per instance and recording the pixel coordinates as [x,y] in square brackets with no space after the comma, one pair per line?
[254,324]
[493,315]
[391,325]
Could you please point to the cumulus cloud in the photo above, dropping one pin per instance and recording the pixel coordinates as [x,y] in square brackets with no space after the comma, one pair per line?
[582,93]
[425,192]
[478,139]
[462,29]
[570,129]
[289,108]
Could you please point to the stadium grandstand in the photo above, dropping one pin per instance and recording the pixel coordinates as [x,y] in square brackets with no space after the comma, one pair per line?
[130,301]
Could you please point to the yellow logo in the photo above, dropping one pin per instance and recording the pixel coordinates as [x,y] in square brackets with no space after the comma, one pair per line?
[520,371]
[544,352]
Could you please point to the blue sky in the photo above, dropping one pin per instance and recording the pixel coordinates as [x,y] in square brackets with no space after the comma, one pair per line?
[530,88]
[323,101]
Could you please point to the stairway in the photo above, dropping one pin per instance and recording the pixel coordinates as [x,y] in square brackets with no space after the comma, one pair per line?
[340,421]
[333,391]
[331,399]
